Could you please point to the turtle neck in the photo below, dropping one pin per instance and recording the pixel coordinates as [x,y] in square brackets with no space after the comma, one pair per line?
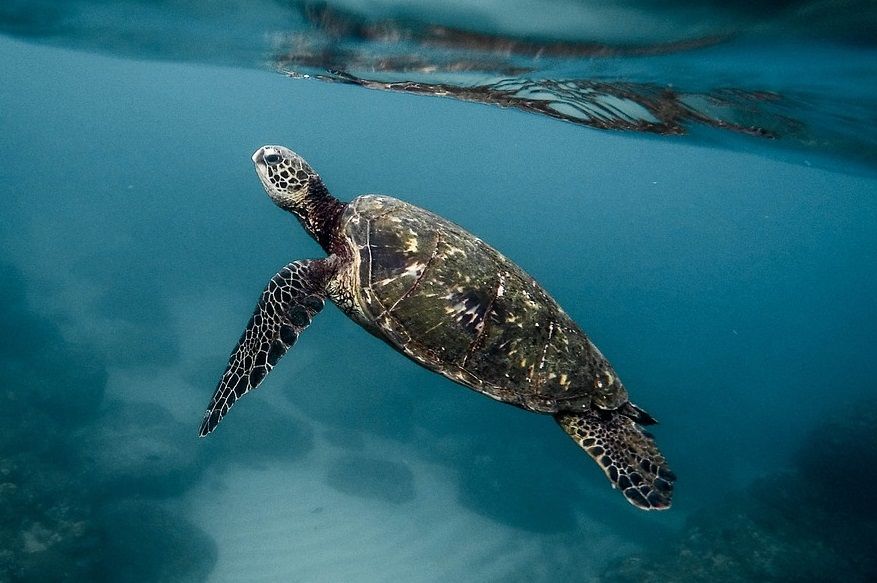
[319,213]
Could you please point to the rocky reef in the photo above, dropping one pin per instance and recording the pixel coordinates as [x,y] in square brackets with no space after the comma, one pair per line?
[85,483]
[814,522]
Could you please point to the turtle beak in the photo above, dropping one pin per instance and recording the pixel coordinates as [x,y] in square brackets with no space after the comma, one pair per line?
[258,155]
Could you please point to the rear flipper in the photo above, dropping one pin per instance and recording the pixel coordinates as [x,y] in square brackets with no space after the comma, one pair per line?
[627,454]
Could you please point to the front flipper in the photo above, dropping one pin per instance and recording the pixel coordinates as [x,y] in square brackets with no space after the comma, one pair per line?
[293,297]
[626,454]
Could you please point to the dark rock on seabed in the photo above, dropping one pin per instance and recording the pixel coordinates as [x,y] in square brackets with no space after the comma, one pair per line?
[815,522]
[74,469]
[143,541]
[139,449]
[372,478]
[260,434]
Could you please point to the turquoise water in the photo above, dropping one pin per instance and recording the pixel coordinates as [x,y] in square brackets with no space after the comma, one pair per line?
[730,278]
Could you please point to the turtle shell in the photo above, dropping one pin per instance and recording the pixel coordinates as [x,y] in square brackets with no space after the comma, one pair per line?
[457,306]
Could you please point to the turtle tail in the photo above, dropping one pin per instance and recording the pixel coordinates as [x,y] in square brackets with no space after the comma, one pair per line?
[637,414]
[626,453]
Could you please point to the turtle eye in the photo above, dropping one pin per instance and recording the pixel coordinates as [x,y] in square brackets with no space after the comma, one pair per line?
[273,159]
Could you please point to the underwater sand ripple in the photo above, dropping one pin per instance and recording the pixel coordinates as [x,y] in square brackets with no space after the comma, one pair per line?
[286,524]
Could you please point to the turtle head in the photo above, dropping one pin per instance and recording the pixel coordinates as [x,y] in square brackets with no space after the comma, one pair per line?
[287,178]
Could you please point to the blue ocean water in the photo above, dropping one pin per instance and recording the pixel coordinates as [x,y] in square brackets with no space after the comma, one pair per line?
[722,257]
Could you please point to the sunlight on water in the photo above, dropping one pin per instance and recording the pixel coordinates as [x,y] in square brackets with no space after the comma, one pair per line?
[796,75]
[717,244]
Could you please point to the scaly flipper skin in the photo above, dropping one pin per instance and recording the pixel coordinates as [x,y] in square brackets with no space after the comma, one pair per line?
[626,454]
[286,307]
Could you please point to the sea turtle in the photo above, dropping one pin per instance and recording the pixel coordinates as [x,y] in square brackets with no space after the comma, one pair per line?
[453,304]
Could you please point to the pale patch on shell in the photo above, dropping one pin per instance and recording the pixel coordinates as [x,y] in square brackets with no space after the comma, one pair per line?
[450,251]
[411,245]
[414,270]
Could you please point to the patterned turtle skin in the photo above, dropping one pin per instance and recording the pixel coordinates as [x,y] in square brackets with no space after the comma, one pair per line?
[452,303]
[455,305]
